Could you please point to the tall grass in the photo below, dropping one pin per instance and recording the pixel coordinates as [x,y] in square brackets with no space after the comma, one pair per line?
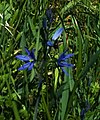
[45,92]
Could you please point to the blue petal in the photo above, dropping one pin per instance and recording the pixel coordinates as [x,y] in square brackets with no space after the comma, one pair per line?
[32,54]
[60,64]
[57,33]
[62,56]
[44,23]
[23,57]
[64,71]
[40,83]
[50,43]
[26,65]
[67,56]
[66,64]
[49,15]
[27,51]
[31,66]
[82,113]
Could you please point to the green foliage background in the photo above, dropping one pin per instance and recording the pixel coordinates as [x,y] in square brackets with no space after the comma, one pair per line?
[61,97]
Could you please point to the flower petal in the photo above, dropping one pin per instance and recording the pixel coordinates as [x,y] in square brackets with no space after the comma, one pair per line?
[31,66]
[49,15]
[66,64]
[32,54]
[49,12]
[44,23]
[50,43]
[26,65]
[82,114]
[62,56]
[60,64]
[27,51]
[64,71]
[23,57]
[67,56]
[40,84]
[57,33]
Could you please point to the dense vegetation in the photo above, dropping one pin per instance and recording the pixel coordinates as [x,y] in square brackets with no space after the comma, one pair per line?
[61,41]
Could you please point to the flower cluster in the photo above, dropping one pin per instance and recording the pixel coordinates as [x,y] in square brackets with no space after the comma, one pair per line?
[29,60]
[62,61]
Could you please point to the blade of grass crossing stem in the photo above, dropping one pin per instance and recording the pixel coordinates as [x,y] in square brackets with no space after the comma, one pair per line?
[46,108]
[19,36]
[79,44]
[65,93]
[81,76]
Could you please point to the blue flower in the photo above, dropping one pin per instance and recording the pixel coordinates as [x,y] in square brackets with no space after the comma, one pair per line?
[55,36]
[62,61]
[87,105]
[50,43]
[57,33]
[29,60]
[44,23]
[82,114]
[84,110]
[49,15]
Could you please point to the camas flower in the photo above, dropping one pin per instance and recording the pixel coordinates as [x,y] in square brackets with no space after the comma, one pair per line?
[49,14]
[57,33]
[44,23]
[82,114]
[62,61]
[84,110]
[55,36]
[29,60]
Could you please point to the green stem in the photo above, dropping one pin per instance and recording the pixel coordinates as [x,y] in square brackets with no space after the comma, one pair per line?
[46,108]
[26,90]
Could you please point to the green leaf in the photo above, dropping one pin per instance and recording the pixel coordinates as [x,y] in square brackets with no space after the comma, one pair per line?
[56,79]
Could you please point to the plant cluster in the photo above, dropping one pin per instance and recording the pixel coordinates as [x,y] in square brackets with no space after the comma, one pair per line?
[49,60]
